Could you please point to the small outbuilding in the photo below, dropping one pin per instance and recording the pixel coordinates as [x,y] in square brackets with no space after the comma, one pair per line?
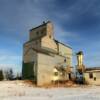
[92,75]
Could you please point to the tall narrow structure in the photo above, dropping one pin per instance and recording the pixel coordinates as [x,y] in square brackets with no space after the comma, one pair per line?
[80,65]
[42,53]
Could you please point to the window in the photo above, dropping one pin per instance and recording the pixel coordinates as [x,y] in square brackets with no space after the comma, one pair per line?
[90,75]
[42,31]
[37,33]
[65,60]
[36,42]
[49,36]
[56,73]
[94,78]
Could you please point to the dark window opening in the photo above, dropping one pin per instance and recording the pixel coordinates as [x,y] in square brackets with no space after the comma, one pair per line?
[56,73]
[36,42]
[49,36]
[37,33]
[69,76]
[42,31]
[65,60]
[94,78]
[90,75]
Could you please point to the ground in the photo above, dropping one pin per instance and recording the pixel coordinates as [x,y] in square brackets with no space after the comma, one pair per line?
[18,90]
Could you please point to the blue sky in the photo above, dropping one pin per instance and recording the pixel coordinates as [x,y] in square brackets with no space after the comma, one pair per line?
[76,22]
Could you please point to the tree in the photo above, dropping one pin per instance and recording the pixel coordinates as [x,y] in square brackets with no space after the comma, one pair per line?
[9,74]
[1,75]
[18,76]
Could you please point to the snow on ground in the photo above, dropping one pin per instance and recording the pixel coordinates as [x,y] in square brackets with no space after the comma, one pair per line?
[17,90]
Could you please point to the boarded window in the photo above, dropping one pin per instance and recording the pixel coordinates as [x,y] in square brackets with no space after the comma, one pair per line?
[90,75]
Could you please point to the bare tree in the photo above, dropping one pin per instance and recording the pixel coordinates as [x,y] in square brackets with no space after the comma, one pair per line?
[9,74]
[18,76]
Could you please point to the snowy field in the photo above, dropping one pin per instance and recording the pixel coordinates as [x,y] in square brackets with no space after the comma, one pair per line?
[17,90]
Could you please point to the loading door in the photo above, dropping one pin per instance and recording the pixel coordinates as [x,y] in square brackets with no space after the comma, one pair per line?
[28,70]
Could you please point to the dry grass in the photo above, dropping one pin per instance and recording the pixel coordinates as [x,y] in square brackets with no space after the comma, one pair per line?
[29,83]
[65,84]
